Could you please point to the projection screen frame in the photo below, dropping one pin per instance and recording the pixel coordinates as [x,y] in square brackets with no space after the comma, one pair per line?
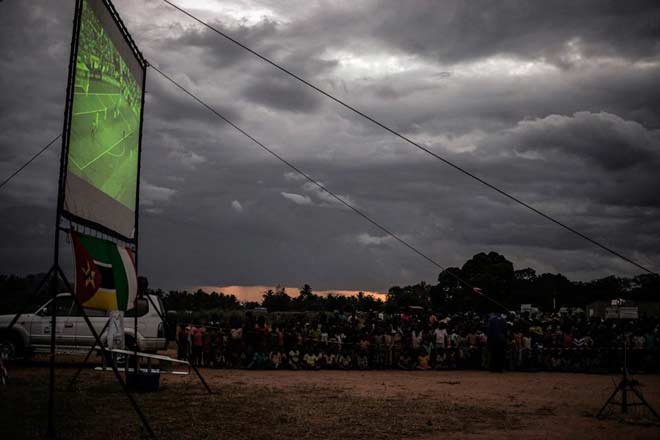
[142,64]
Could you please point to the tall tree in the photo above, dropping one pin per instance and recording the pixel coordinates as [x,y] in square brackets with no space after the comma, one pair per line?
[277,301]
[492,273]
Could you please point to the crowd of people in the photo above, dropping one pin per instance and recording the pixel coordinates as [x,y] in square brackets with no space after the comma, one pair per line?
[421,341]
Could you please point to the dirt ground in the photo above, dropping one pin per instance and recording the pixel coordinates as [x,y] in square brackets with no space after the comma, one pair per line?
[328,405]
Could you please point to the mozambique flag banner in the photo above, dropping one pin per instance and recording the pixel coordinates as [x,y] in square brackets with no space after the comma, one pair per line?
[105,273]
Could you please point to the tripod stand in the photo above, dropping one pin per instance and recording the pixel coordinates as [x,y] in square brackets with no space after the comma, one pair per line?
[627,386]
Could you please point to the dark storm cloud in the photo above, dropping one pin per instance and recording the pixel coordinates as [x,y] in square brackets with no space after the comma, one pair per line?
[218,52]
[33,65]
[556,102]
[171,104]
[460,104]
[462,30]
[596,156]
[605,139]
[282,94]
[263,85]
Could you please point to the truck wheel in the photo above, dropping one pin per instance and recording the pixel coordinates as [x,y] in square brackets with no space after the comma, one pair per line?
[10,346]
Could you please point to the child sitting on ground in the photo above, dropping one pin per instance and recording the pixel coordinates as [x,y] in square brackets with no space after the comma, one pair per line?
[423,360]
[294,359]
[309,361]
[321,360]
[344,361]
[276,359]
[405,362]
[363,360]
[331,357]
[258,360]
[441,359]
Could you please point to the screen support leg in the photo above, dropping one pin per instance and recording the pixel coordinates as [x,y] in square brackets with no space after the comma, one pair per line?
[74,379]
[625,386]
[194,367]
[51,364]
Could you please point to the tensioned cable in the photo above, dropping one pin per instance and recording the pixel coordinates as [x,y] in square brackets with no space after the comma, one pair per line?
[4,182]
[411,142]
[323,188]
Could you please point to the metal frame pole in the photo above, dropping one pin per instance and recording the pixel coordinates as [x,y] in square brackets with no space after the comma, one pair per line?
[134,403]
[73,53]
[51,371]
[137,210]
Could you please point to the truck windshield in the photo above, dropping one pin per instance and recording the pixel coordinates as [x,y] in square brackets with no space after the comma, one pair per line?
[64,307]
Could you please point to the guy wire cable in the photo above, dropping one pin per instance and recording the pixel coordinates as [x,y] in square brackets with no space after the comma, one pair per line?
[357,211]
[4,182]
[413,143]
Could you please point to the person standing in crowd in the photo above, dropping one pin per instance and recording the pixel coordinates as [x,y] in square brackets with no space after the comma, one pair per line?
[260,339]
[216,349]
[182,342]
[440,335]
[197,336]
[210,346]
[497,342]
[249,336]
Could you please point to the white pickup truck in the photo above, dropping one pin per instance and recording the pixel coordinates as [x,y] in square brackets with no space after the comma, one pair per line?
[32,332]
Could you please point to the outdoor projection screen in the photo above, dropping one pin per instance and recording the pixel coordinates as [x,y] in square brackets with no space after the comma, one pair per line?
[102,169]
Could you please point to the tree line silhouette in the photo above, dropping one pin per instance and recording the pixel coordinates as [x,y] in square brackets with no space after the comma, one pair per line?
[491,272]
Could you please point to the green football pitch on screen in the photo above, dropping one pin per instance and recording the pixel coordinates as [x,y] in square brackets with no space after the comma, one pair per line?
[105,122]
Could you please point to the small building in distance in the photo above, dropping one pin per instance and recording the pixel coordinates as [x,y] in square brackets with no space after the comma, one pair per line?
[605,308]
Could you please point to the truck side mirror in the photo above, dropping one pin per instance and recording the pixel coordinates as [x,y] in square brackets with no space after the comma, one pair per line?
[143,285]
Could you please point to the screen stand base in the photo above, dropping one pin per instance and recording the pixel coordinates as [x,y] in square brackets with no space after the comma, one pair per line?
[53,278]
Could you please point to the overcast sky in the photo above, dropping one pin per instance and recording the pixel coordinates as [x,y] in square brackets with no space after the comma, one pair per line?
[557,102]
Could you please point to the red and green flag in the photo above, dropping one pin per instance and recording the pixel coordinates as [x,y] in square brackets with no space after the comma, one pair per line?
[105,273]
